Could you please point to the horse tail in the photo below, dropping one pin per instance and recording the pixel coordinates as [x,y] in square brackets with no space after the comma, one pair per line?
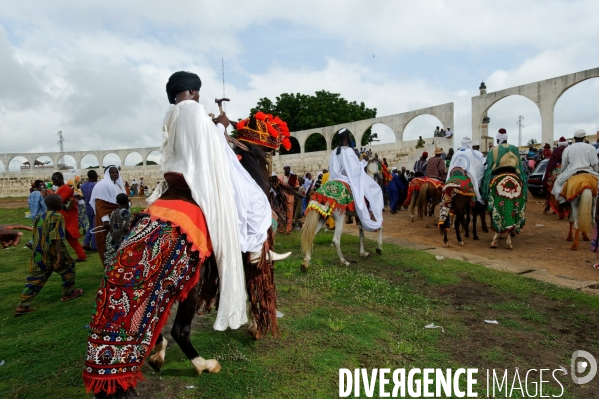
[585,211]
[423,200]
[309,230]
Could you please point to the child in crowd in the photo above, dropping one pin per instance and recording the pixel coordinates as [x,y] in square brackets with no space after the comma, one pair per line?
[120,220]
[49,255]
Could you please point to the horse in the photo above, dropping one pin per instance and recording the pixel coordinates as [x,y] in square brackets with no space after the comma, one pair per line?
[201,296]
[507,203]
[580,192]
[457,198]
[423,196]
[320,208]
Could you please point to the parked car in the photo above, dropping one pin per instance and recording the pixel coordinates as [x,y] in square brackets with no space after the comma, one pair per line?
[535,179]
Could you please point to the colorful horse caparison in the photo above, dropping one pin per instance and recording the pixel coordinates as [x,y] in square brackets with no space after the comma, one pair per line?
[580,192]
[507,204]
[459,199]
[166,258]
[334,198]
[423,195]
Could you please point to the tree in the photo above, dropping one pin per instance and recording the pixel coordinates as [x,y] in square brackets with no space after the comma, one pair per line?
[531,143]
[303,112]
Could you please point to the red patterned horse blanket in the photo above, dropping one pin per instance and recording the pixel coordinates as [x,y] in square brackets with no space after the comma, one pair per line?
[417,183]
[157,264]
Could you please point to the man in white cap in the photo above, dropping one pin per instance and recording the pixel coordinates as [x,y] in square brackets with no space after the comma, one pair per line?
[289,198]
[579,157]
[476,149]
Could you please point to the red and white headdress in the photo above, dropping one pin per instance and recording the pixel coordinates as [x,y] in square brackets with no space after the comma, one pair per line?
[264,129]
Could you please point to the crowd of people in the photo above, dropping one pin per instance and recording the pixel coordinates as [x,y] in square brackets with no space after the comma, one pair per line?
[207,192]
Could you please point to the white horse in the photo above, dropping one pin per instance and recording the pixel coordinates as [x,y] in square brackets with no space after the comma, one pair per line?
[582,211]
[314,222]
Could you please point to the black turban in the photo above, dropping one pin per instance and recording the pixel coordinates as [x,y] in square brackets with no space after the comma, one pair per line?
[343,134]
[182,81]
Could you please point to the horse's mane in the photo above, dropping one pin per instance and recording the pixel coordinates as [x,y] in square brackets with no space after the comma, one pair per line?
[254,161]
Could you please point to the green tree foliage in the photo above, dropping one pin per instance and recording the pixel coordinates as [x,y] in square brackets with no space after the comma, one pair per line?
[304,112]
[531,143]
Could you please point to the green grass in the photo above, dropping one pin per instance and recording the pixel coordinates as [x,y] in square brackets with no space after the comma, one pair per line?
[368,315]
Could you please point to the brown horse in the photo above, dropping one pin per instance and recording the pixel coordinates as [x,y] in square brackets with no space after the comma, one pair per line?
[426,200]
[461,206]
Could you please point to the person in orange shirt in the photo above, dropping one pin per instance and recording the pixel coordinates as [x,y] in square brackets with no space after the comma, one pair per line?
[70,213]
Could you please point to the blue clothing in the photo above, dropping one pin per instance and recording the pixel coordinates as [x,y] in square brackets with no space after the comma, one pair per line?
[36,203]
[86,189]
[394,188]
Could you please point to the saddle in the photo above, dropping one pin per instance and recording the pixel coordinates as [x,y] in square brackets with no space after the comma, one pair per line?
[503,169]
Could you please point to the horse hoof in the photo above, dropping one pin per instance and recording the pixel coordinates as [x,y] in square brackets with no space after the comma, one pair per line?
[214,366]
[253,331]
[364,254]
[509,246]
[467,235]
[461,243]
[156,362]
[475,238]
[379,251]
[569,238]
[493,245]
[345,263]
[304,267]
[585,237]
[574,247]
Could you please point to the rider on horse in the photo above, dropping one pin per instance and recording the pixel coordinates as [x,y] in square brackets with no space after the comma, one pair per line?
[345,166]
[578,158]
[554,168]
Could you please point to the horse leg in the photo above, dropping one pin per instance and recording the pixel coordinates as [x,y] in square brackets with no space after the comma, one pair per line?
[379,243]
[253,327]
[466,218]
[181,334]
[457,221]
[494,242]
[337,241]
[570,232]
[308,235]
[156,361]
[363,253]
[574,246]
[508,241]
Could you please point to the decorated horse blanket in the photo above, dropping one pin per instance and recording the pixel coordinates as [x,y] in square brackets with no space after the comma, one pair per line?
[157,264]
[576,184]
[333,194]
[553,202]
[457,184]
[417,183]
[507,203]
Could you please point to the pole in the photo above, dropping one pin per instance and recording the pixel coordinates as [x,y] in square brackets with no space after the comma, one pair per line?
[520,126]
[223,69]
[60,143]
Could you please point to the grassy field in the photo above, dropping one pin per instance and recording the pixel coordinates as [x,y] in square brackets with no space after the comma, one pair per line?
[368,315]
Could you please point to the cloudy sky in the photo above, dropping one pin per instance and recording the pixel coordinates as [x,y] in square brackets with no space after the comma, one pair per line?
[97,70]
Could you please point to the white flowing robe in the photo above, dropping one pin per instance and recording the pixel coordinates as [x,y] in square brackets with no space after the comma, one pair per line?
[193,146]
[347,168]
[578,157]
[473,165]
[254,216]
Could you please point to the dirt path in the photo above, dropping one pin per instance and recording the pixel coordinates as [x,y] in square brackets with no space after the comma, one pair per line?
[540,245]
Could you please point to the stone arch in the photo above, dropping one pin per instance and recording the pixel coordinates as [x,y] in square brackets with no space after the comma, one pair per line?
[68,160]
[111,159]
[580,110]
[153,158]
[134,158]
[295,147]
[315,142]
[507,118]
[88,163]
[2,167]
[422,125]
[43,162]
[18,163]
[384,132]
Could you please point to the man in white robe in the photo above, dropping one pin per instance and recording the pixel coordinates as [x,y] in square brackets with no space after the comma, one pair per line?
[345,166]
[471,163]
[578,157]
[194,147]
